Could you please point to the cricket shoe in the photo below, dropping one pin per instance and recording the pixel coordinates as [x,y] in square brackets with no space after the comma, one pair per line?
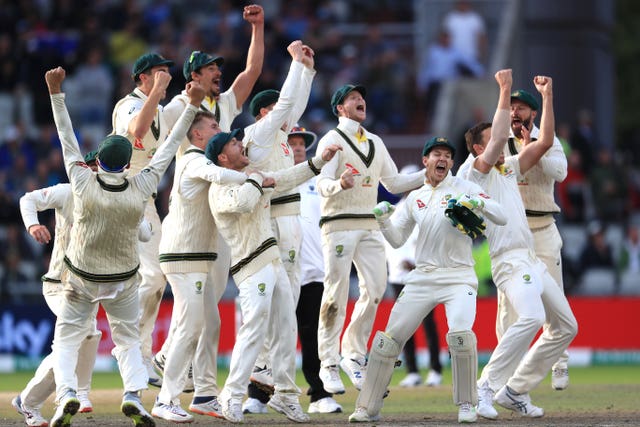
[485,402]
[263,379]
[289,406]
[413,379]
[331,381]
[85,403]
[231,408]
[355,370]
[360,415]
[467,413]
[254,406]
[132,408]
[211,408]
[32,416]
[519,403]
[559,378]
[67,407]
[434,378]
[155,379]
[326,405]
[171,413]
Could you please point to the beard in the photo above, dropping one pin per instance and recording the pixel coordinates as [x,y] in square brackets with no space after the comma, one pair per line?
[516,127]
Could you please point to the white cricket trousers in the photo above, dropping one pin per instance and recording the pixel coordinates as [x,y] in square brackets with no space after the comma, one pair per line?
[548,246]
[532,293]
[288,233]
[205,357]
[40,387]
[79,302]
[265,297]
[153,281]
[365,248]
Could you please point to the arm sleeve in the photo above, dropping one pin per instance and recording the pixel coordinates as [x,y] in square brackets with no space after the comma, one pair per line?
[262,138]
[40,200]
[302,96]
[208,171]
[77,171]
[242,198]
[397,228]
[290,178]
[396,182]
[499,137]
[150,176]
[491,209]
[554,162]
[327,183]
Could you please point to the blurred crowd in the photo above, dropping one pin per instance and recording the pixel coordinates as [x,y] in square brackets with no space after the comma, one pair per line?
[98,41]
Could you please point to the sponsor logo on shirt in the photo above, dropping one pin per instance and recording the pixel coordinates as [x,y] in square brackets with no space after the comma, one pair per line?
[420,204]
[137,144]
[82,164]
[354,171]
[484,196]
[285,148]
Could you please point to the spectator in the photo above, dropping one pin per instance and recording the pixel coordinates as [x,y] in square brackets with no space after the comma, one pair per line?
[574,193]
[442,62]
[597,253]
[467,29]
[629,257]
[609,187]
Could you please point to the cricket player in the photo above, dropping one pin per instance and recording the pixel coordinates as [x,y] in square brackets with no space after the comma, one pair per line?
[187,250]
[242,214]
[206,69]
[537,191]
[60,198]
[516,270]
[268,150]
[443,274]
[139,117]
[348,185]
[103,269]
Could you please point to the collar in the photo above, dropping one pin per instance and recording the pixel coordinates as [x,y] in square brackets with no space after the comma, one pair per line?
[111,178]
[349,126]
[140,94]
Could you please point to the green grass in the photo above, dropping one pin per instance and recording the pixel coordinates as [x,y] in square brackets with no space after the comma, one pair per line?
[616,374]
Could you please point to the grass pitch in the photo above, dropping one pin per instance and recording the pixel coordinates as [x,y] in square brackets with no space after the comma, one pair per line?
[597,396]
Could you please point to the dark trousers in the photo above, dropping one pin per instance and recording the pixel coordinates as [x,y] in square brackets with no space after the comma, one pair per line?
[433,341]
[307,314]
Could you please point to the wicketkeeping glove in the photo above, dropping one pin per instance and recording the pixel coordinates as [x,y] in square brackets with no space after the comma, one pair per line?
[464,219]
[469,202]
[383,210]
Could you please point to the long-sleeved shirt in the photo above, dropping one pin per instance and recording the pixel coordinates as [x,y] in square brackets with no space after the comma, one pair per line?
[439,245]
[242,214]
[108,207]
[266,139]
[370,163]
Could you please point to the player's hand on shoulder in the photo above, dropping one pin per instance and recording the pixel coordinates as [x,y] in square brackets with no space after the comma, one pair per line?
[268,182]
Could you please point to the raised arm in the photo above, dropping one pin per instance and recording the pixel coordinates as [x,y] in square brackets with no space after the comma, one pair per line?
[72,156]
[141,123]
[533,152]
[500,126]
[244,82]
[290,178]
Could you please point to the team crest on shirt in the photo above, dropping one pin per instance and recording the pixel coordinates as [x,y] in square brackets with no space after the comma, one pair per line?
[292,255]
[198,287]
[261,288]
[285,148]
[527,279]
[354,171]
[367,181]
[505,170]
[137,145]
[420,204]
[339,250]
[152,152]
